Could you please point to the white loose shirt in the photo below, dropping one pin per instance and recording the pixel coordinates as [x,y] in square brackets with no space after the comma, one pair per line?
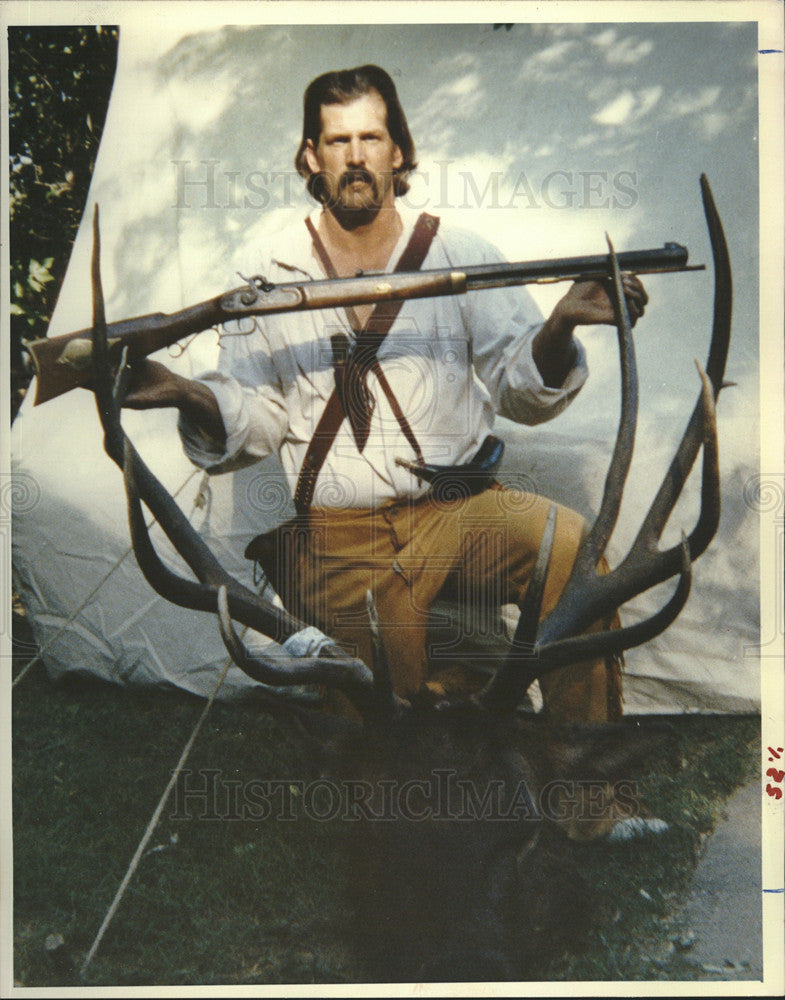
[452,362]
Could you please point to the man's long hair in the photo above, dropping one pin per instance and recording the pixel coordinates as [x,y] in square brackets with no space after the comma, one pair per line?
[341,87]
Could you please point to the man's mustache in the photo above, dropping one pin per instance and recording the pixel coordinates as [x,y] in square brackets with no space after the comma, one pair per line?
[352,176]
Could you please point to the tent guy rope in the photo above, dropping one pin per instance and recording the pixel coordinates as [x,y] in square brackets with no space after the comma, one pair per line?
[72,617]
[154,819]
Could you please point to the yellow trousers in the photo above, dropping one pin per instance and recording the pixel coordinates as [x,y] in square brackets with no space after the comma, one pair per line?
[481,548]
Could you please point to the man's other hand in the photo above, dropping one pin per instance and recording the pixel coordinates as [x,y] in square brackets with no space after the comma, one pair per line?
[589,302]
[586,303]
[152,385]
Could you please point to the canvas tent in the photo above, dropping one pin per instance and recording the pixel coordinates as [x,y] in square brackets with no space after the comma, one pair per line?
[542,138]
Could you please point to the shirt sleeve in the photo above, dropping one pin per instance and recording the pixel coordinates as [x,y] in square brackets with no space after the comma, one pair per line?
[251,401]
[502,324]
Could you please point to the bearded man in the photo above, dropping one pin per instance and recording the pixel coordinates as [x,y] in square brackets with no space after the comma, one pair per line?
[357,402]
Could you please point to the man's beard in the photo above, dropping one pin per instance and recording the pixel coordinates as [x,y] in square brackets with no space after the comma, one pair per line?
[354,207]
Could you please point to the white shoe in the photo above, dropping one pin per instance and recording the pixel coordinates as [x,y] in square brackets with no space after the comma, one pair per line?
[634,827]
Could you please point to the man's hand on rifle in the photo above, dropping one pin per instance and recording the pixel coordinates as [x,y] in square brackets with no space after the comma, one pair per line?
[152,385]
[586,303]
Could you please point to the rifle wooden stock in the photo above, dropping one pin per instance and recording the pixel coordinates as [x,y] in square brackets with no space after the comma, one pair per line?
[63,363]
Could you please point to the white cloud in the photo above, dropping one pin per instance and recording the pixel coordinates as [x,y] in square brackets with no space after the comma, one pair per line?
[617,112]
[554,52]
[461,62]
[713,123]
[629,51]
[455,98]
[605,38]
[628,106]
[687,104]
[452,103]
[464,85]
[584,141]
[550,63]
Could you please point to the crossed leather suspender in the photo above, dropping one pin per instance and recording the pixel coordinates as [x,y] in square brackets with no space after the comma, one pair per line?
[350,398]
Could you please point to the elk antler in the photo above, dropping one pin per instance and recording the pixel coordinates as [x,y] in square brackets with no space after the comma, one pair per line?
[214,588]
[587,597]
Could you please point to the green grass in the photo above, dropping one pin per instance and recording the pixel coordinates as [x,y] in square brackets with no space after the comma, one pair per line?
[223,901]
[252,902]
[704,760]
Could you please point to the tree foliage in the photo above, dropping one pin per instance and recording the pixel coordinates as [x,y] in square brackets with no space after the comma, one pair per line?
[60,79]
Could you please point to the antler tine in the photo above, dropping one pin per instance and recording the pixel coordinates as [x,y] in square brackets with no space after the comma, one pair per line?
[600,533]
[110,419]
[528,623]
[386,702]
[248,607]
[517,673]
[120,449]
[723,290]
[508,684]
[172,587]
[694,435]
[709,518]
[586,596]
[615,641]
[644,566]
[344,672]
[643,556]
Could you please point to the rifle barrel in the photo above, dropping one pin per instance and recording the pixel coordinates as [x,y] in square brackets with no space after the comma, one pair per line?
[63,363]
[671,257]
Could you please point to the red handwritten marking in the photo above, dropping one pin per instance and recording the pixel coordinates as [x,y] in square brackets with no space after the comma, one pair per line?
[774,792]
[774,773]
[775,754]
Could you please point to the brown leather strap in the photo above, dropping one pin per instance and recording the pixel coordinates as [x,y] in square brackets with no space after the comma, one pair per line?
[363,358]
[329,270]
[395,406]
[351,385]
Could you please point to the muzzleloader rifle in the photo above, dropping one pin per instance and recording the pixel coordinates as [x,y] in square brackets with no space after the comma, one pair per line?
[63,363]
